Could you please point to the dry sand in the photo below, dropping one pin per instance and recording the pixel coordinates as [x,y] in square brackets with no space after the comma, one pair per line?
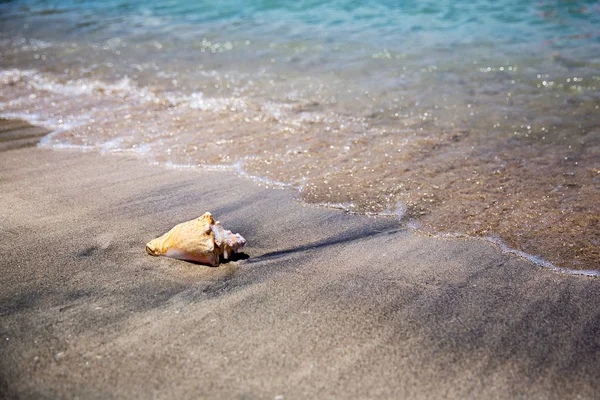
[323,305]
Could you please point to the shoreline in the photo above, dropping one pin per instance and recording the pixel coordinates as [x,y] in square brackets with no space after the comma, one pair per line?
[265,182]
[326,304]
[538,260]
[539,197]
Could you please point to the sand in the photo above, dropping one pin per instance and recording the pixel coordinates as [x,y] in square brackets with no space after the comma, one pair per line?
[322,304]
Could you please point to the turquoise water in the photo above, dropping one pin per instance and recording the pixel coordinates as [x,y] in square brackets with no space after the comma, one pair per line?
[394,24]
[476,118]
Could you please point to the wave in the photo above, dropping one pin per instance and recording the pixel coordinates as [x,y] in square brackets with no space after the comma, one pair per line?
[331,159]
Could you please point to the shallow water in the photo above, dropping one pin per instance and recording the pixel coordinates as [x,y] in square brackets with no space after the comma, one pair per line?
[476,118]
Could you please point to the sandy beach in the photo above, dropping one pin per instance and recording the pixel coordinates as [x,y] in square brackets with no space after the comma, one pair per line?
[322,304]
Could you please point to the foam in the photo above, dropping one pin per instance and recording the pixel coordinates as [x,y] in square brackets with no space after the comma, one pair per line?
[347,207]
[506,249]
[75,87]
[539,261]
[415,226]
[52,124]
[238,167]
[197,101]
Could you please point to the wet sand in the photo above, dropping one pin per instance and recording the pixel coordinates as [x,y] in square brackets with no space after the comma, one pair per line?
[322,305]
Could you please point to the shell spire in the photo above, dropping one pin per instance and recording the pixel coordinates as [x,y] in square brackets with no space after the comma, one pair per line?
[202,240]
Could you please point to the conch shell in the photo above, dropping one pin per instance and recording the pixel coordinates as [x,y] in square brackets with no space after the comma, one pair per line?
[201,240]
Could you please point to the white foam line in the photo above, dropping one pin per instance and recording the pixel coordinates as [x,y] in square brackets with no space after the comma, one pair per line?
[236,168]
[33,119]
[539,261]
[348,208]
[206,167]
[262,180]
[44,142]
[67,146]
[506,249]
[399,213]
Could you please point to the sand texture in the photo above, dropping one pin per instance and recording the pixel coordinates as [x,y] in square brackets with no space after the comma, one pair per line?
[322,304]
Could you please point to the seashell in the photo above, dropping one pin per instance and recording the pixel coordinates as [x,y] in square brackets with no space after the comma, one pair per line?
[201,240]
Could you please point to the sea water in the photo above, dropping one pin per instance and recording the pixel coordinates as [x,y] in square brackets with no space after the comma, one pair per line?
[476,118]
